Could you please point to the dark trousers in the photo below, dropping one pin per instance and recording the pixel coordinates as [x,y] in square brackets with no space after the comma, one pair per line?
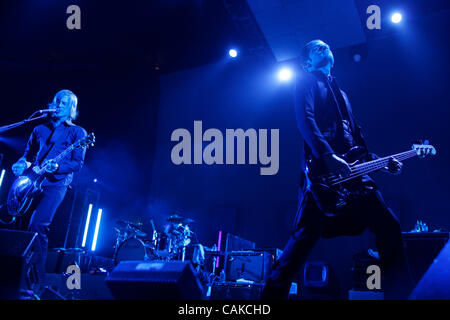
[45,207]
[369,211]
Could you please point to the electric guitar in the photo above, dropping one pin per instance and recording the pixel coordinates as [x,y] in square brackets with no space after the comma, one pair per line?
[26,187]
[332,191]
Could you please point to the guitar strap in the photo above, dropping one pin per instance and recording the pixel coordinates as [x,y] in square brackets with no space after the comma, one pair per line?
[51,141]
[340,102]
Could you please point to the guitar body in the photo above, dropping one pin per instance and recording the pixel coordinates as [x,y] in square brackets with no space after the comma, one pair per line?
[22,193]
[332,198]
[27,187]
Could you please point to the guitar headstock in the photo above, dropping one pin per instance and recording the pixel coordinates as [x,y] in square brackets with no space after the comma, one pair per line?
[424,149]
[85,142]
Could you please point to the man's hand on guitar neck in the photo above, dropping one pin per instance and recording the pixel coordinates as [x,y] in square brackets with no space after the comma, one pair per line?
[394,166]
[337,165]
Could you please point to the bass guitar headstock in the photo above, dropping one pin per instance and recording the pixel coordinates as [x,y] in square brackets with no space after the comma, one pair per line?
[423,148]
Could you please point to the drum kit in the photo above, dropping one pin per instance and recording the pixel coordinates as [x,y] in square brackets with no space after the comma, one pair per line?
[176,242]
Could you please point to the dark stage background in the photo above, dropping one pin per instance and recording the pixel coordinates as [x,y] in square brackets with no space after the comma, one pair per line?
[399,93]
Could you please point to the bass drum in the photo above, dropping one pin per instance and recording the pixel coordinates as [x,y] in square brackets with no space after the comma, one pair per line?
[134,249]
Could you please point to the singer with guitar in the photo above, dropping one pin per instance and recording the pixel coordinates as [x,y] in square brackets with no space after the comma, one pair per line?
[337,197]
[45,143]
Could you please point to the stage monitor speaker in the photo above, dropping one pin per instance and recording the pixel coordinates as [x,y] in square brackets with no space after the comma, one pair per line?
[435,284]
[155,280]
[18,271]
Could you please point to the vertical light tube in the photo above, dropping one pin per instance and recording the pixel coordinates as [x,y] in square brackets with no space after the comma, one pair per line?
[83,244]
[219,243]
[2,176]
[97,225]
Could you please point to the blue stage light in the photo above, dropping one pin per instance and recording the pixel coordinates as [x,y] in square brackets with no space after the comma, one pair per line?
[396,17]
[86,227]
[2,176]
[233,53]
[97,226]
[95,180]
[285,74]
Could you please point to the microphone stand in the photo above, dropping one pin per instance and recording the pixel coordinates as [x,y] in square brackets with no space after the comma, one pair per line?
[17,124]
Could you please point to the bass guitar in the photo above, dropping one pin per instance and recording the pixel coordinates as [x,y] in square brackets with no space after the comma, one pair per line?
[332,191]
[26,187]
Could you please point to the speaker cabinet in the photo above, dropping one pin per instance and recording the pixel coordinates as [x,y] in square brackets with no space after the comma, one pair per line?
[248,265]
[18,271]
[435,284]
[236,291]
[421,249]
[155,280]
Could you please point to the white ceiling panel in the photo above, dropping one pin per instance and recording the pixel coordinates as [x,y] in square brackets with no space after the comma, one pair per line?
[288,24]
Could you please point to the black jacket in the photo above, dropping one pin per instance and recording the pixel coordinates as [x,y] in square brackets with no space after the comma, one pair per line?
[321,110]
[46,142]
[324,117]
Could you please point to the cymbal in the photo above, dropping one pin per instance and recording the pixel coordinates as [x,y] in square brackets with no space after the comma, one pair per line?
[140,233]
[127,226]
[177,219]
[122,223]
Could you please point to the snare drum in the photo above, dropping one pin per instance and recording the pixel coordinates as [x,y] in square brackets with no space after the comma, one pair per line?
[134,249]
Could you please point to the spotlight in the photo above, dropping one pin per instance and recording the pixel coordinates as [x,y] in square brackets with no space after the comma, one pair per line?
[233,53]
[359,53]
[285,74]
[396,17]
[95,180]
[357,57]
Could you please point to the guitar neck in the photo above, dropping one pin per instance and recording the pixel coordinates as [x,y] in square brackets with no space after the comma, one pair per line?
[63,154]
[82,143]
[372,166]
[58,158]
[381,163]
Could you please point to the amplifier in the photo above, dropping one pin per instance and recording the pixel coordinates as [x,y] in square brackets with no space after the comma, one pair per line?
[251,265]
[93,287]
[236,291]
[59,259]
[421,250]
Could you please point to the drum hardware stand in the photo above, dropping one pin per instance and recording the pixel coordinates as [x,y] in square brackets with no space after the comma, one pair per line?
[155,233]
[116,246]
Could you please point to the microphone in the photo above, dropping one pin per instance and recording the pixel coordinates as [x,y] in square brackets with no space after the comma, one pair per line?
[47,111]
